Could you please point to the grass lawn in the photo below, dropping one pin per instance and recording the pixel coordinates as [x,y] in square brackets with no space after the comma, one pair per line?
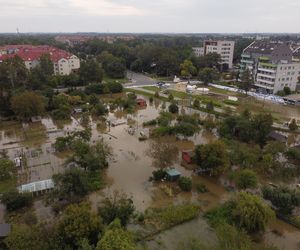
[141,92]
[151,88]
[119,80]
[179,94]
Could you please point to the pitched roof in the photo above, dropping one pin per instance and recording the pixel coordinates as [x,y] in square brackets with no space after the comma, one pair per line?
[32,53]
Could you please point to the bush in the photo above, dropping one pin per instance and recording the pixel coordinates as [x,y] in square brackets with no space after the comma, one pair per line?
[185,184]
[115,87]
[15,200]
[172,215]
[173,108]
[150,123]
[293,154]
[246,179]
[159,174]
[100,109]
[62,113]
[201,188]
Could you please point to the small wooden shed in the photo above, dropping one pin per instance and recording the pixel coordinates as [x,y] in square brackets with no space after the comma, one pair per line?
[187,156]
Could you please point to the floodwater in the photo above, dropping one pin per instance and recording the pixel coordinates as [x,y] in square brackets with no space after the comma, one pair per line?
[129,170]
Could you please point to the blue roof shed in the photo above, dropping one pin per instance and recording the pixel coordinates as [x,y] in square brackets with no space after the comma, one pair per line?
[173,174]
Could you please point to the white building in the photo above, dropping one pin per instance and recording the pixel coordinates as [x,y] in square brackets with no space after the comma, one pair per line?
[272,66]
[224,48]
[64,62]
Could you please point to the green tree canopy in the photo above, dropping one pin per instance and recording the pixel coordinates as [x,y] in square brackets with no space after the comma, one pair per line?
[117,206]
[246,178]
[208,75]
[212,157]
[6,169]
[250,212]
[116,238]
[78,223]
[187,69]
[28,104]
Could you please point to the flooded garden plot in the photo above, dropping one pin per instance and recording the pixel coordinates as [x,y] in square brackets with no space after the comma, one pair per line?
[129,170]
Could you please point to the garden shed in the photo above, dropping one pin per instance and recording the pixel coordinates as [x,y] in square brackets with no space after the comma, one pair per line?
[173,174]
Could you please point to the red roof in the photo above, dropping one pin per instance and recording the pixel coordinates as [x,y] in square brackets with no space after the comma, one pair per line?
[31,53]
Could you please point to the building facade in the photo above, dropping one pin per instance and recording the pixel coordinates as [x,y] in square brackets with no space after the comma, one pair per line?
[224,48]
[198,51]
[64,63]
[271,65]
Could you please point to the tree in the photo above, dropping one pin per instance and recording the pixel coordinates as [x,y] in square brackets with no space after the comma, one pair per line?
[212,157]
[6,169]
[116,68]
[287,91]
[246,81]
[13,73]
[117,206]
[246,178]
[28,104]
[46,65]
[163,153]
[173,108]
[250,213]
[70,184]
[15,200]
[196,104]
[262,126]
[116,238]
[91,158]
[100,109]
[187,69]
[78,223]
[208,75]
[26,238]
[90,71]
[293,125]
[210,60]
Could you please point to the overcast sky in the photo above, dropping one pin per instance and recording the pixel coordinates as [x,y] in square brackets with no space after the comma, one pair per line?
[180,16]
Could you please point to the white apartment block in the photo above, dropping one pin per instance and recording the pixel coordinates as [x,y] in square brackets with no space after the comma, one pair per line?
[65,66]
[274,77]
[224,48]
[272,66]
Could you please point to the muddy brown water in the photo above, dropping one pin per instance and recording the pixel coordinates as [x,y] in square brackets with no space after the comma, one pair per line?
[129,171]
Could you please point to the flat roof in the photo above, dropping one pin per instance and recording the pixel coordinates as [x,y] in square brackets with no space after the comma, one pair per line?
[294,97]
[36,186]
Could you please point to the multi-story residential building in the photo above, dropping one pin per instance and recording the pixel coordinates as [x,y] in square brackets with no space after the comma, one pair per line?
[224,48]
[272,66]
[64,62]
[198,51]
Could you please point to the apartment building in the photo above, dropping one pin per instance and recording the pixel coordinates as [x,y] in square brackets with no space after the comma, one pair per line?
[272,66]
[198,51]
[224,48]
[64,62]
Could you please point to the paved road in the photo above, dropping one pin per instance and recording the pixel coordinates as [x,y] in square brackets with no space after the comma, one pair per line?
[139,79]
